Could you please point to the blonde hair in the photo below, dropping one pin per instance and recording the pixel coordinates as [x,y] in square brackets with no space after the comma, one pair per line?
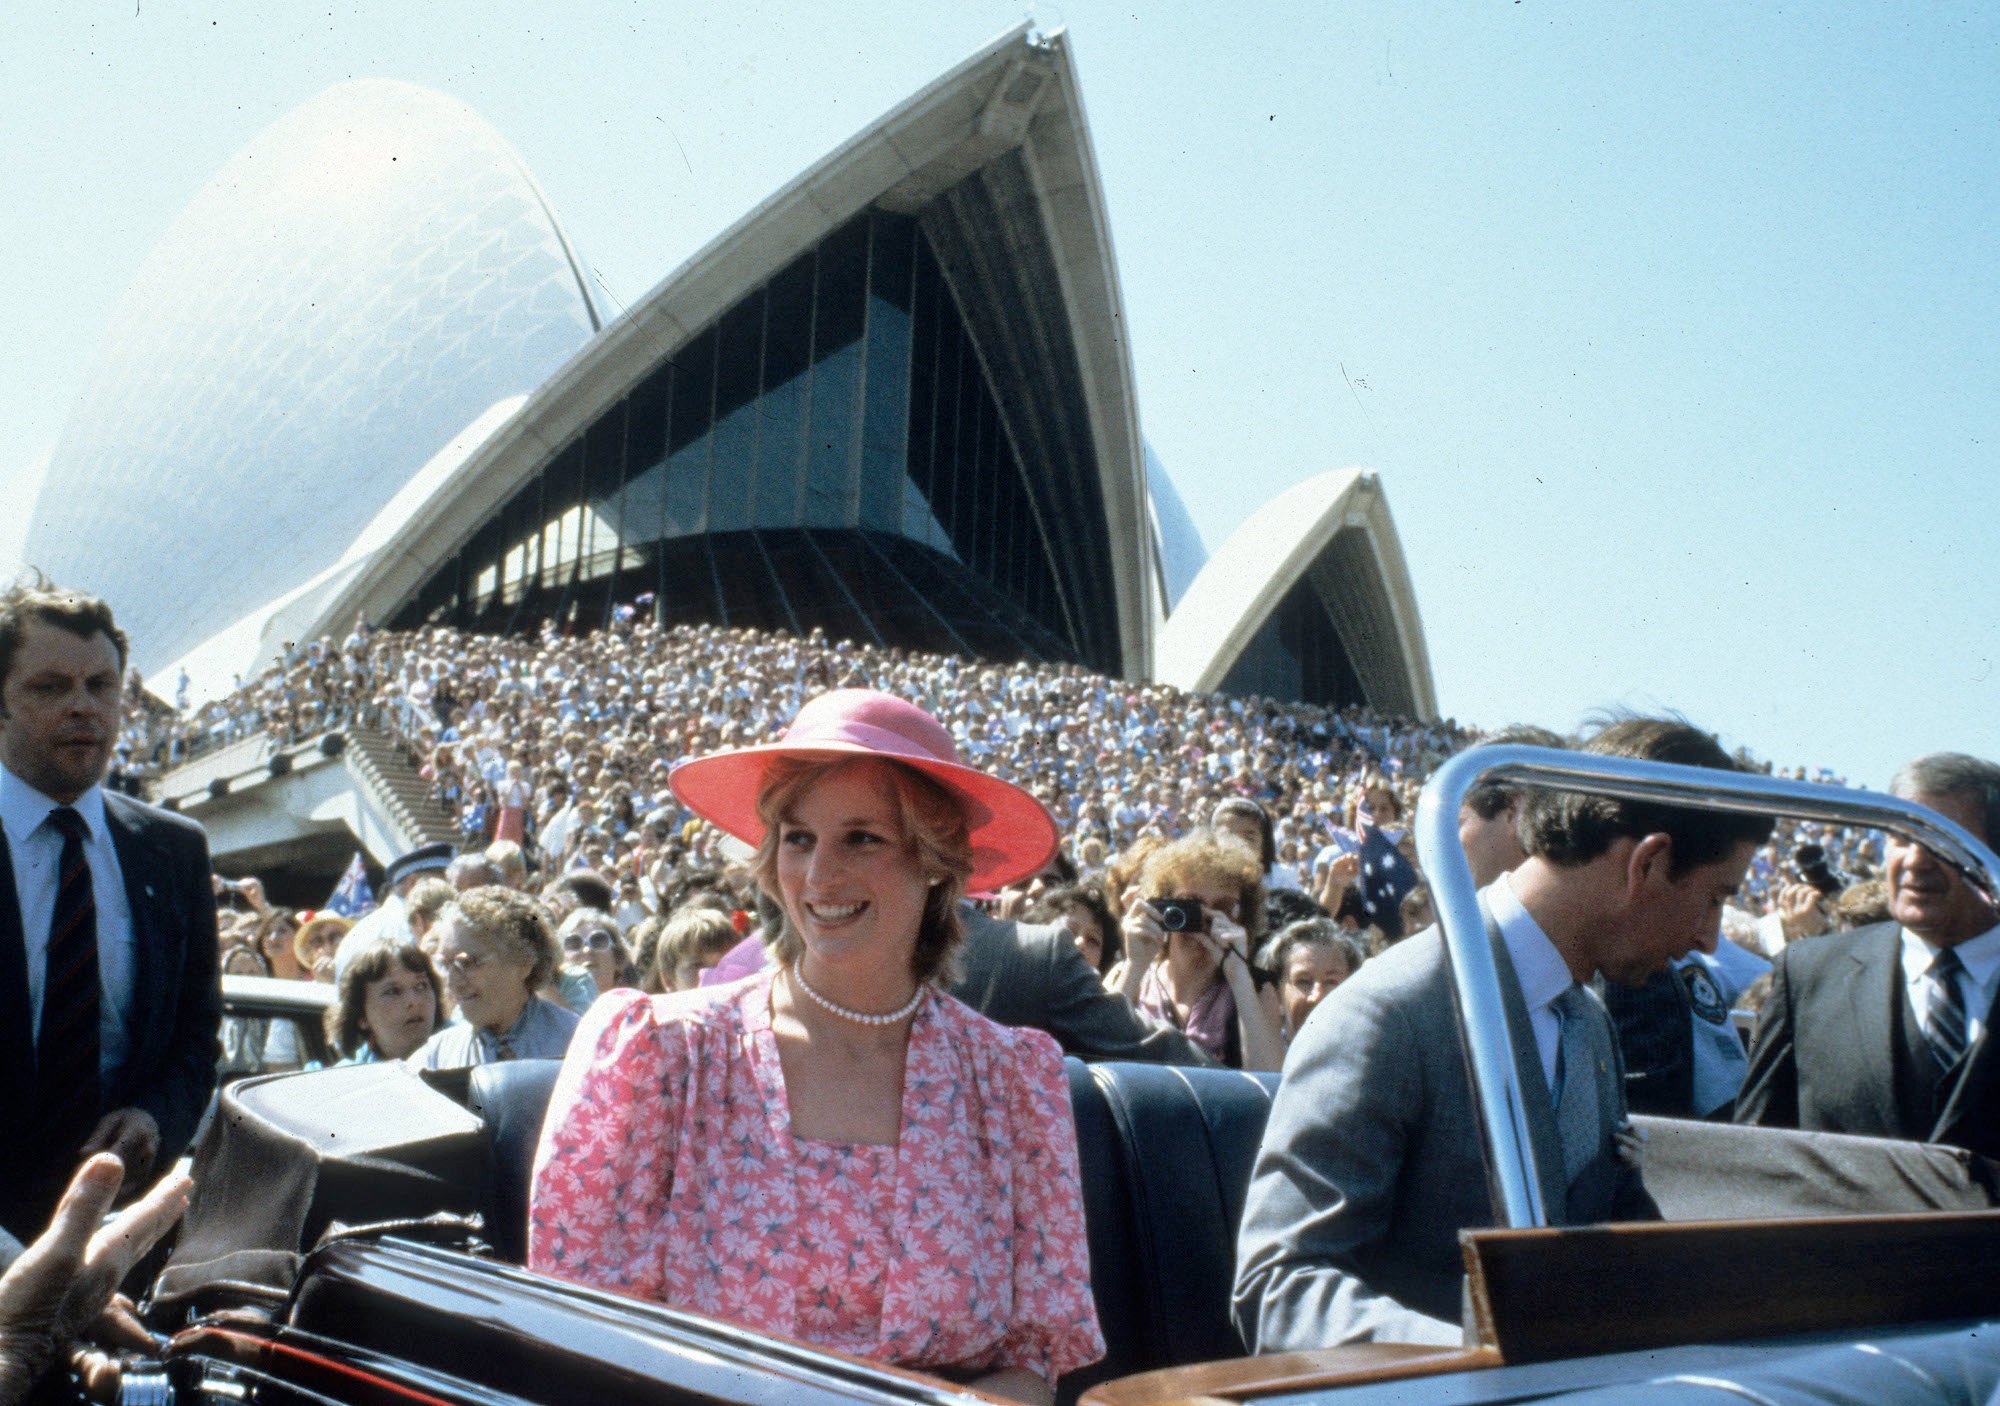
[688,936]
[935,837]
[1204,859]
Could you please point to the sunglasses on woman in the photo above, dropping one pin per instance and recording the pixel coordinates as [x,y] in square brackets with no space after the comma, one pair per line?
[599,941]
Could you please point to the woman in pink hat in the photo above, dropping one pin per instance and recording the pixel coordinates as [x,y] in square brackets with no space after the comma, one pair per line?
[834,1149]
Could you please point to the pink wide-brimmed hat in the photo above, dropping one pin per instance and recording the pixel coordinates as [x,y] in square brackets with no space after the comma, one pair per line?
[1013,836]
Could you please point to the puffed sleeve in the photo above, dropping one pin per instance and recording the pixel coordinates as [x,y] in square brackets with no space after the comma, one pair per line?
[604,1170]
[1054,1329]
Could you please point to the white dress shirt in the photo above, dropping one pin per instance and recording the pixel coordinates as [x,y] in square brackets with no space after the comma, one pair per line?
[1540,970]
[35,849]
[1981,959]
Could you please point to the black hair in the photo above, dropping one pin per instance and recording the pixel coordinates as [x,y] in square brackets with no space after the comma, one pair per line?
[1574,827]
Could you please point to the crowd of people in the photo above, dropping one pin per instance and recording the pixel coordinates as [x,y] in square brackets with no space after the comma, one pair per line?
[562,742]
[553,751]
[849,834]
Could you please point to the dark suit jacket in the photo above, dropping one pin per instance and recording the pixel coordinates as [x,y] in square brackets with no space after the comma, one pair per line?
[177,1003]
[1032,974]
[1372,1161]
[1837,1050]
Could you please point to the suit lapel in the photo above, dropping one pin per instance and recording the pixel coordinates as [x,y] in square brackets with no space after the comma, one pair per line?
[1869,1042]
[148,950]
[17,1047]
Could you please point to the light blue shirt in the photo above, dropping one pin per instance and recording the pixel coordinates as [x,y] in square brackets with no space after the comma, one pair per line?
[541,1031]
[1540,970]
[35,849]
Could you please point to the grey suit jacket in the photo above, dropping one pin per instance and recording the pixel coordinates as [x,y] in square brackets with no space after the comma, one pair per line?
[1836,1051]
[1032,974]
[177,1003]
[1371,1162]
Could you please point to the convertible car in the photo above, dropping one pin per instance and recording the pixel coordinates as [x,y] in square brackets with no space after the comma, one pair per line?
[357,1234]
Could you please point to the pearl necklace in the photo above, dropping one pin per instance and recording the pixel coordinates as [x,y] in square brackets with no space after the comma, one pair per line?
[902,1012]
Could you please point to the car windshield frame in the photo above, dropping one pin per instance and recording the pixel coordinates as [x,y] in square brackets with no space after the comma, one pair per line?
[1482,1017]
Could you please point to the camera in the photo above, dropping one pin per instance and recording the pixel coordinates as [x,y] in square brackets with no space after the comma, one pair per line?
[1181,914]
[1814,869]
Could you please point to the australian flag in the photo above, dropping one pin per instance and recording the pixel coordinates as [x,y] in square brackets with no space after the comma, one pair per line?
[1386,878]
[352,897]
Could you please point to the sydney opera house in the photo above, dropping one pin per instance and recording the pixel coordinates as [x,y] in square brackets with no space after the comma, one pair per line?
[364,375]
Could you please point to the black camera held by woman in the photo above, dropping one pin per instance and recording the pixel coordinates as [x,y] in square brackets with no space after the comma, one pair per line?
[1181,914]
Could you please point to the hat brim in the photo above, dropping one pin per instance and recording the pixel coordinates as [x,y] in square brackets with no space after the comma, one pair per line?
[1012,834]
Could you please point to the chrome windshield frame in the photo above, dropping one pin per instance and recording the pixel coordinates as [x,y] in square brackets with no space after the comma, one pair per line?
[1510,1155]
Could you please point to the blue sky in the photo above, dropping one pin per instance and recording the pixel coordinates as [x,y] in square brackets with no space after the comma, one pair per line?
[1669,328]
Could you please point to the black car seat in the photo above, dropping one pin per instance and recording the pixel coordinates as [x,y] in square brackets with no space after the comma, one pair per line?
[1165,1155]
[510,1098]
[1166,1152]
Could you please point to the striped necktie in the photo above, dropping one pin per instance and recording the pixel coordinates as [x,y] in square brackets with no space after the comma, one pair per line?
[1946,1027]
[1579,1126]
[66,1050]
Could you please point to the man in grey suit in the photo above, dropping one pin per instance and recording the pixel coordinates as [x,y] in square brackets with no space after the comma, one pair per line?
[1371,1162]
[1886,1030]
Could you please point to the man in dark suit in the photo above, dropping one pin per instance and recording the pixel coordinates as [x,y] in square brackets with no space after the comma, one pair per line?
[1371,1162]
[109,1000]
[1032,974]
[1884,1030]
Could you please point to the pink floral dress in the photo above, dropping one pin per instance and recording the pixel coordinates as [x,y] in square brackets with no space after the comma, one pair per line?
[668,1171]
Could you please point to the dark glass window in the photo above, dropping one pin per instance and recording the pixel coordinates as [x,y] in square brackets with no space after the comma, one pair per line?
[603,488]
[833,444]
[1296,654]
[641,515]
[521,528]
[886,425]
[828,451]
[739,343]
[781,427]
[941,419]
[689,443]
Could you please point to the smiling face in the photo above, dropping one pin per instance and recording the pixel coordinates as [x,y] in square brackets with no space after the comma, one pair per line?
[397,1011]
[61,698]
[488,985]
[847,878]
[1928,897]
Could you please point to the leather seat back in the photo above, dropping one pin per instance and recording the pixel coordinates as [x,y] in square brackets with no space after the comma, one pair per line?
[1165,1153]
[510,1098]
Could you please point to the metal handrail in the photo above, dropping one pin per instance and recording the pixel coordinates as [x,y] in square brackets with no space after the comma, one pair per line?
[1496,1081]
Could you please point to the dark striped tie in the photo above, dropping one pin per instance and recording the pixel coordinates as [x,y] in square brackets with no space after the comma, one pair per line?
[1946,1027]
[1579,1124]
[66,1052]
